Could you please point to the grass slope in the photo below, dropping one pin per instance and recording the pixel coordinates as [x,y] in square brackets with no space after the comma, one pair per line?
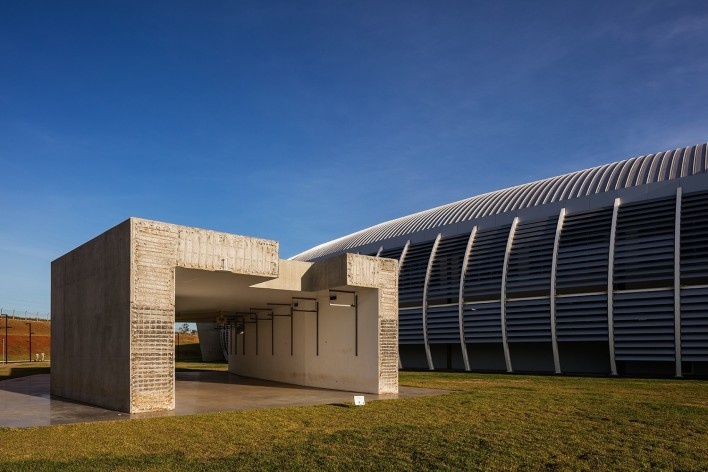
[22,369]
[492,422]
[18,338]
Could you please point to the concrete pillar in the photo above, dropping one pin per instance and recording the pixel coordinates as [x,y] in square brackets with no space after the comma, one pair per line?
[209,343]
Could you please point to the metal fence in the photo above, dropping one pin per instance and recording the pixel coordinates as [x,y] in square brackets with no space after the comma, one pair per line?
[13,313]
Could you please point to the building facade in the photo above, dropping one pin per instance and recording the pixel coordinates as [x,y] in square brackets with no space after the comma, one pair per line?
[116,298]
[600,271]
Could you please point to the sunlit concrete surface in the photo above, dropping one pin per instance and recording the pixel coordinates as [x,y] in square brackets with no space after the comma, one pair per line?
[115,300]
[25,401]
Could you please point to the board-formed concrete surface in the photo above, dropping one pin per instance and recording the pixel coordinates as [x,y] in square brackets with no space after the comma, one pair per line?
[26,401]
[115,300]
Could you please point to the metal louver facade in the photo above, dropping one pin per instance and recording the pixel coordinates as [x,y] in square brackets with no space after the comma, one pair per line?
[601,271]
[411,282]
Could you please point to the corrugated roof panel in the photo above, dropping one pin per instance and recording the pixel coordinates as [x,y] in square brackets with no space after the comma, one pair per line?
[527,198]
[641,174]
[571,188]
[499,199]
[442,218]
[472,211]
[687,162]
[592,179]
[555,190]
[484,205]
[512,202]
[633,172]
[459,211]
[702,160]
[664,167]
[654,168]
[426,222]
[609,177]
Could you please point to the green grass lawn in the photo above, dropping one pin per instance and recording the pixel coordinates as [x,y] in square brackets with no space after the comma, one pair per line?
[497,422]
[194,365]
[21,369]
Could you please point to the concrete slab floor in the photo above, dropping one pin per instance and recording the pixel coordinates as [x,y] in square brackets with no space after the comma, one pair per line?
[25,401]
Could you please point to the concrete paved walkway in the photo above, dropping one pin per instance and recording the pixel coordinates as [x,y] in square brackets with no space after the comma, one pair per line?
[25,401]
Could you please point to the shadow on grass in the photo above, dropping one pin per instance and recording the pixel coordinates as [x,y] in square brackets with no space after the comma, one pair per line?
[10,372]
[195,364]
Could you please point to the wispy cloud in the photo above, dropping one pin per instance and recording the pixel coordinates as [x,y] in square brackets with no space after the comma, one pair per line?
[685,27]
[17,248]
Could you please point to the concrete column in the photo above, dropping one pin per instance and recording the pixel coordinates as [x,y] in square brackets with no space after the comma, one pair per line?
[209,343]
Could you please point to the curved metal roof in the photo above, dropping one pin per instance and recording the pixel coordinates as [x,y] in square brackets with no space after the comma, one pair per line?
[633,172]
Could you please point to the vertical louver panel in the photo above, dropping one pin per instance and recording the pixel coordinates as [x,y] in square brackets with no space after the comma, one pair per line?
[443,324]
[483,322]
[486,264]
[694,239]
[528,320]
[410,322]
[412,275]
[644,248]
[694,324]
[444,285]
[529,272]
[644,326]
[410,326]
[581,318]
[394,253]
[583,252]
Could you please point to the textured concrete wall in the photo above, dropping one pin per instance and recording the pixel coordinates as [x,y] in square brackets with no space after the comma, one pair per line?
[113,306]
[323,356]
[381,273]
[326,355]
[157,249]
[90,321]
[152,317]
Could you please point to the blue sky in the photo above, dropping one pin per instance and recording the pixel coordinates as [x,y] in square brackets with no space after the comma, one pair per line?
[306,121]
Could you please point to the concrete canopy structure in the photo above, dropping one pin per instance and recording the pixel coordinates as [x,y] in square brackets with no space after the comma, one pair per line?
[601,271]
[330,324]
